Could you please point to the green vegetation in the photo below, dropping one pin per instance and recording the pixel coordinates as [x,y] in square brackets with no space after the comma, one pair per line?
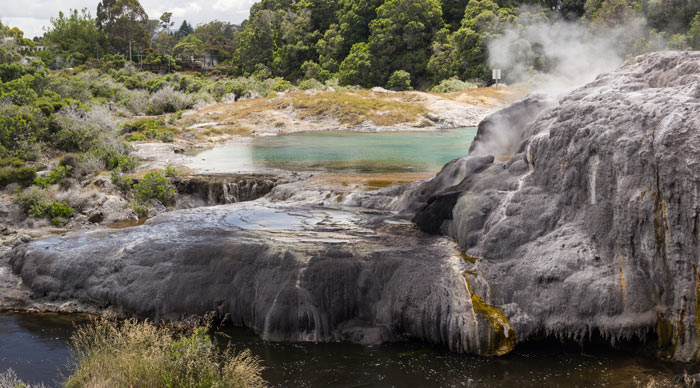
[35,204]
[149,129]
[140,354]
[155,185]
[362,43]
[54,177]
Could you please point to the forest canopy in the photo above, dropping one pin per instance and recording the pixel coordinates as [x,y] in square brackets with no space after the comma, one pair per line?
[359,42]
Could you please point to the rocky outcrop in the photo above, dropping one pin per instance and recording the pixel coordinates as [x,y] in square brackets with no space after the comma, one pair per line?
[220,189]
[290,273]
[592,226]
[501,133]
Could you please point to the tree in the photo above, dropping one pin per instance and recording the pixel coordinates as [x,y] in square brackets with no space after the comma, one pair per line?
[256,42]
[218,38]
[165,21]
[356,69]
[8,52]
[74,36]
[400,38]
[694,33]
[184,30]
[123,23]
[353,18]
[322,12]
[483,20]
[572,9]
[295,44]
[188,48]
[453,11]
[672,16]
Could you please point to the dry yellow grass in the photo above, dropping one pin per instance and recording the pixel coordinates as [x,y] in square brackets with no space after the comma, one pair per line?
[348,108]
[354,108]
[488,97]
[139,354]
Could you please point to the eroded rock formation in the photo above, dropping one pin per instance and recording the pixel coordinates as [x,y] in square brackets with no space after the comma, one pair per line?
[290,273]
[592,226]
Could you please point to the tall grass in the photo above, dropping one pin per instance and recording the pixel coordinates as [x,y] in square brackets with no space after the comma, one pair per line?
[9,379]
[140,354]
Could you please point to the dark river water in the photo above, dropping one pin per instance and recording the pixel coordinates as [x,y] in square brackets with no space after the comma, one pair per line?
[36,347]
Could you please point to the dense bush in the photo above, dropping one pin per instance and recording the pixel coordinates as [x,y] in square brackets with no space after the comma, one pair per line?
[155,185]
[139,354]
[79,130]
[123,182]
[400,80]
[149,129]
[452,85]
[21,175]
[35,203]
[20,130]
[54,177]
[169,100]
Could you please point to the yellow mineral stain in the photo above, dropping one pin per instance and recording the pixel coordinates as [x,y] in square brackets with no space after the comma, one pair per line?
[623,283]
[503,333]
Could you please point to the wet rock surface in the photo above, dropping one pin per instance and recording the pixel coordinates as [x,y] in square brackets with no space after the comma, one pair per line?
[289,272]
[592,226]
[220,189]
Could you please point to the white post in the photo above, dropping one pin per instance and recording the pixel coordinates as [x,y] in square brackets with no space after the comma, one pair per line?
[496,74]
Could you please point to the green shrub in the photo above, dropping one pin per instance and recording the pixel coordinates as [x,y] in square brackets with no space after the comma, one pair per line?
[71,160]
[22,175]
[149,129]
[141,125]
[11,161]
[171,171]
[155,185]
[79,130]
[54,177]
[173,118]
[30,197]
[281,86]
[50,209]
[137,137]
[453,85]
[169,100]
[123,182]
[20,131]
[140,210]
[140,354]
[35,204]
[400,80]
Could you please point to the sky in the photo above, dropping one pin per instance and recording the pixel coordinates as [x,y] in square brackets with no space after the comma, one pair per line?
[31,16]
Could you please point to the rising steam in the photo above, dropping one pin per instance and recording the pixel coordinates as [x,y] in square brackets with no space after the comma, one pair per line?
[552,58]
[558,56]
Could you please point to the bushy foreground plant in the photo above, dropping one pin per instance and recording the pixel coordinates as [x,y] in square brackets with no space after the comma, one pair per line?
[36,204]
[54,177]
[149,129]
[140,354]
[452,85]
[155,185]
[9,379]
[20,175]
